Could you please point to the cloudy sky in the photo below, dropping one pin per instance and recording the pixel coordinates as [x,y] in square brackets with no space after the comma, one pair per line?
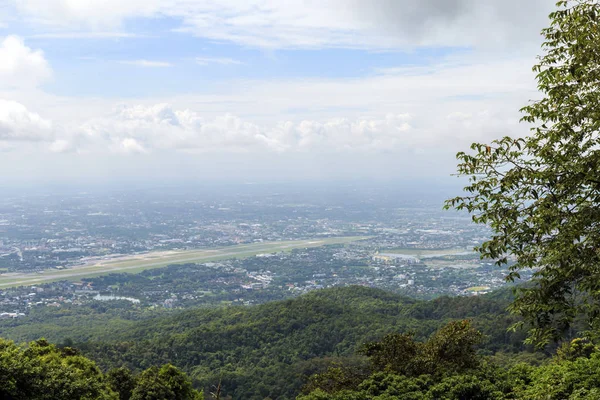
[259,89]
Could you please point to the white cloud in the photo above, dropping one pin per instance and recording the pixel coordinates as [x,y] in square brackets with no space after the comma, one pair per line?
[217,60]
[436,107]
[85,35]
[95,14]
[130,145]
[147,63]
[61,146]
[189,143]
[161,128]
[315,24]
[18,124]
[20,66]
[433,91]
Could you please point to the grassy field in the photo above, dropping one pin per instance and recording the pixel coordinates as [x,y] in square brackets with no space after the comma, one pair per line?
[478,288]
[428,253]
[140,262]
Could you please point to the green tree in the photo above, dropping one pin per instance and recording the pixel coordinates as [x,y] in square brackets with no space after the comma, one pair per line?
[336,378]
[122,381]
[41,371]
[395,352]
[462,387]
[165,383]
[452,348]
[398,362]
[541,194]
[575,349]
[564,379]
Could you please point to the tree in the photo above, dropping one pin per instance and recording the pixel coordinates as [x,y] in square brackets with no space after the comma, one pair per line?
[575,349]
[541,194]
[166,383]
[41,371]
[395,352]
[452,348]
[400,365]
[461,387]
[565,379]
[122,381]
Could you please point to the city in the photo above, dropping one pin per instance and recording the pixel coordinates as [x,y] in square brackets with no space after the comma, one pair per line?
[422,252]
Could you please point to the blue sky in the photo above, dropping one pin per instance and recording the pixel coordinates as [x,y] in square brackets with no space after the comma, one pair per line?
[186,63]
[218,62]
[259,89]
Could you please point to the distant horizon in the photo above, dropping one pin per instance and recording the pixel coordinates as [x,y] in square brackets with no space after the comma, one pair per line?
[422,185]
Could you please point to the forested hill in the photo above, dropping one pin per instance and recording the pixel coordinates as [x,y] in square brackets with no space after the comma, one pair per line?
[270,349]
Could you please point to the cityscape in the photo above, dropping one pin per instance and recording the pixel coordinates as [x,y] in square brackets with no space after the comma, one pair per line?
[332,238]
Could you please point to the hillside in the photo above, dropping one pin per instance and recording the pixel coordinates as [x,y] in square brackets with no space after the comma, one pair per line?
[270,349]
[337,344]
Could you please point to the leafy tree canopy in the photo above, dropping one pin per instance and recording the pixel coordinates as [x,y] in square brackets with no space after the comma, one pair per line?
[456,372]
[42,371]
[541,194]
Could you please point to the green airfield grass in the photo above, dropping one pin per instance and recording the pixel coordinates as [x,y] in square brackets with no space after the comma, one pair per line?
[138,263]
[425,252]
[478,288]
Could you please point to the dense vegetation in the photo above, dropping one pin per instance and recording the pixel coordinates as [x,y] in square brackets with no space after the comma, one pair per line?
[269,350]
[341,343]
[41,371]
[447,367]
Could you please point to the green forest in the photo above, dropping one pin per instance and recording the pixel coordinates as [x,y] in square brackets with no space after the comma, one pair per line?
[339,343]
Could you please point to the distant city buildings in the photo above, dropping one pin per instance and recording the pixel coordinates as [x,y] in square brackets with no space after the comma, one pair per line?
[417,251]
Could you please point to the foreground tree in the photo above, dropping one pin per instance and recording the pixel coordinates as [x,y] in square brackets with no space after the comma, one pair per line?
[41,371]
[541,194]
[165,383]
[122,381]
[444,367]
[450,350]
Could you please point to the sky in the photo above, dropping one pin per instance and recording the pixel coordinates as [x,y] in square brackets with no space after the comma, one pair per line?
[259,90]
